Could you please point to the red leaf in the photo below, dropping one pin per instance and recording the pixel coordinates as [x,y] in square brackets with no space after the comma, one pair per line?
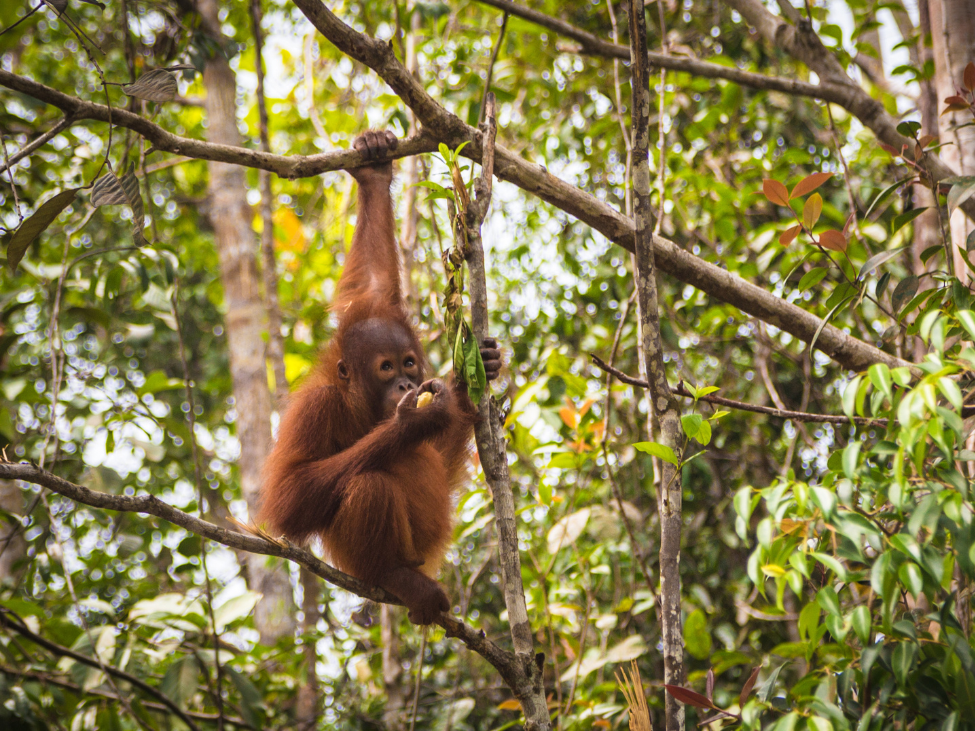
[970,76]
[789,235]
[956,99]
[927,140]
[833,240]
[746,689]
[809,184]
[955,108]
[888,149]
[775,192]
[690,697]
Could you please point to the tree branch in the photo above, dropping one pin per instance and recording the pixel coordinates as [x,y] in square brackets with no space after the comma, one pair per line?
[663,410]
[797,416]
[535,179]
[295,166]
[441,125]
[7,620]
[801,42]
[592,45]
[506,663]
[51,679]
[491,444]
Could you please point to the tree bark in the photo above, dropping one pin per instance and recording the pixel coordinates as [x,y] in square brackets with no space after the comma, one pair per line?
[392,669]
[246,319]
[663,421]
[13,547]
[927,229]
[953,42]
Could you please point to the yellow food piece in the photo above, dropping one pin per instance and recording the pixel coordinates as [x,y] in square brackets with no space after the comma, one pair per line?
[423,399]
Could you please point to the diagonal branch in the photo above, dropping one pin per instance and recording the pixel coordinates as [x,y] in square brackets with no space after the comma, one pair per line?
[36,143]
[535,179]
[295,166]
[593,45]
[8,621]
[505,662]
[51,679]
[801,42]
[442,126]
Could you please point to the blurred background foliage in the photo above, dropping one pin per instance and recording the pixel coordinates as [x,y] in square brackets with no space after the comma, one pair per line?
[559,291]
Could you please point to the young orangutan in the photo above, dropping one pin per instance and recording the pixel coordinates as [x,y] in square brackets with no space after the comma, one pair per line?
[357,463]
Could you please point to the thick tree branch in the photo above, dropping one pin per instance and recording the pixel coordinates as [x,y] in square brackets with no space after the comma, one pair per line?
[441,125]
[593,45]
[506,663]
[801,42]
[295,166]
[535,179]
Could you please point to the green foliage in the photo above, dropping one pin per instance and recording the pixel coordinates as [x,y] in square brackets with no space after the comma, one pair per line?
[836,562]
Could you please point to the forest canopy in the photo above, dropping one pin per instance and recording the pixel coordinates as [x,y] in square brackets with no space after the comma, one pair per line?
[726,247]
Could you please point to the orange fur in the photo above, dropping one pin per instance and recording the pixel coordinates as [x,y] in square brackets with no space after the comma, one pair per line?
[375,488]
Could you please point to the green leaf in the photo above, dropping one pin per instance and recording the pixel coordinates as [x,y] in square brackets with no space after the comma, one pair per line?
[811,278]
[851,456]
[861,623]
[882,196]
[831,563]
[828,600]
[697,639]
[877,259]
[34,226]
[703,435]
[158,381]
[766,689]
[252,706]
[909,129]
[829,316]
[181,680]
[905,218]
[902,661]
[657,450]
[910,576]
[967,320]
[879,375]
[905,289]
[691,423]
[960,192]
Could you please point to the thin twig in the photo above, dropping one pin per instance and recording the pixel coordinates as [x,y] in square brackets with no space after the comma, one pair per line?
[800,416]
[10,621]
[490,69]
[27,149]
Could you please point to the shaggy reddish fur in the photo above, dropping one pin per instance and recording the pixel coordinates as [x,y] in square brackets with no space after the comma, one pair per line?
[376,490]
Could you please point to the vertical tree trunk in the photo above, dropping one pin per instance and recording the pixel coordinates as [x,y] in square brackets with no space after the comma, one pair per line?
[663,420]
[13,547]
[953,41]
[245,320]
[927,230]
[308,693]
[396,692]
